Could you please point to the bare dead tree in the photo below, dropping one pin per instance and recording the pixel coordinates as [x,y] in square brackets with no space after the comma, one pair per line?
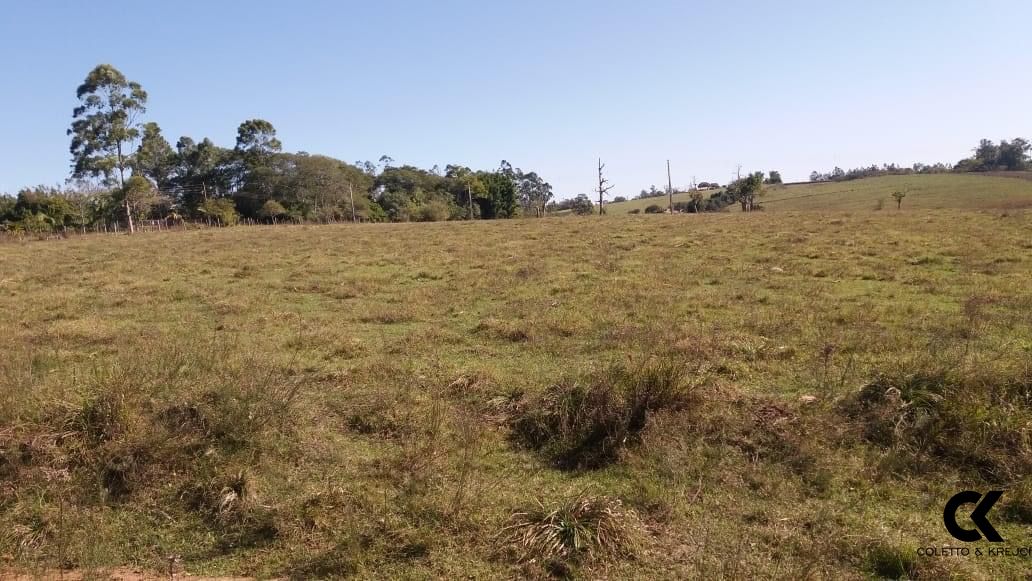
[351,192]
[602,188]
[670,189]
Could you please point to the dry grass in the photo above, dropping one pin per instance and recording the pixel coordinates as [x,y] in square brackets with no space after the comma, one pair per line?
[321,401]
[583,527]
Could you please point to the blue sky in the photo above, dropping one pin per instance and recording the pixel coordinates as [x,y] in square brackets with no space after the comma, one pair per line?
[549,86]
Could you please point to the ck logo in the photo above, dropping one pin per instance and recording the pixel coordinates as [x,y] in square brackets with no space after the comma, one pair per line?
[983,504]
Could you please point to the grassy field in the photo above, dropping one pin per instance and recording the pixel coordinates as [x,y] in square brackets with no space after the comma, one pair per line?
[771,395]
[924,192]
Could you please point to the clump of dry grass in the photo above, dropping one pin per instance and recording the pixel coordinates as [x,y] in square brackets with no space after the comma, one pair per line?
[585,425]
[935,414]
[505,330]
[581,528]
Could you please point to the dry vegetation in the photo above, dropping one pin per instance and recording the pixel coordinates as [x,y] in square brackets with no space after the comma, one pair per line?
[788,395]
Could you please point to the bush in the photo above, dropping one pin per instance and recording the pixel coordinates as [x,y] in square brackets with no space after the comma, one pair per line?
[272,210]
[586,425]
[635,211]
[654,209]
[221,210]
[433,211]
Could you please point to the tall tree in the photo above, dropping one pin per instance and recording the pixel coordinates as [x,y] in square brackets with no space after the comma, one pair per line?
[202,171]
[256,140]
[1013,155]
[104,126]
[534,192]
[155,158]
[256,175]
[987,155]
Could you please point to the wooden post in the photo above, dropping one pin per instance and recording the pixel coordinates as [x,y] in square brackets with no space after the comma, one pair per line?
[469,194]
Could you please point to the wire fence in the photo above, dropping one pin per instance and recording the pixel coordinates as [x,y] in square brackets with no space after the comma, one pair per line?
[144,226]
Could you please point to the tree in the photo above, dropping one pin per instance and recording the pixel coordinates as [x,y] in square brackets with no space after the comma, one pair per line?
[322,188]
[202,171]
[582,205]
[774,177]
[603,188]
[499,200]
[254,172]
[1013,155]
[534,192]
[696,201]
[221,210]
[745,190]
[272,210]
[87,199]
[898,195]
[987,155]
[104,126]
[137,196]
[257,138]
[155,158]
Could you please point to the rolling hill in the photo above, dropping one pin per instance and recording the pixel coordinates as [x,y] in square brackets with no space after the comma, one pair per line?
[962,191]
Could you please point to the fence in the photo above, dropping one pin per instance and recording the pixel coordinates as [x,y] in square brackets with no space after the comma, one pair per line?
[168,225]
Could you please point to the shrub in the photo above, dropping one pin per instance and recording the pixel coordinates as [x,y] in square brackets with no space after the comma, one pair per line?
[585,425]
[635,211]
[934,415]
[272,210]
[593,528]
[221,210]
[654,209]
[433,211]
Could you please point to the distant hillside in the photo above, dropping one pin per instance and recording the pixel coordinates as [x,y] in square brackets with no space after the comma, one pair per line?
[629,205]
[969,190]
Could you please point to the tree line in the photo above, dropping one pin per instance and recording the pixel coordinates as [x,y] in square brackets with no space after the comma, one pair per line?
[988,156]
[124,170]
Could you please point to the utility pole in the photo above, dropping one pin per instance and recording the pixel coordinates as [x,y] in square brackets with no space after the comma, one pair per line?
[469,194]
[602,188]
[351,192]
[669,189]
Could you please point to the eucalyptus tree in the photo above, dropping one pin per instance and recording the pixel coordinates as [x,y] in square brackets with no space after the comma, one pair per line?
[256,173]
[534,192]
[104,126]
[155,159]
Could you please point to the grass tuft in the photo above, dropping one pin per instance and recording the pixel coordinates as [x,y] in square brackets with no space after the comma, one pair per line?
[583,528]
[585,425]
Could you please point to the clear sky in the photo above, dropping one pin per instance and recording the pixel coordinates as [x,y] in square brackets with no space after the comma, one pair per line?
[548,85]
